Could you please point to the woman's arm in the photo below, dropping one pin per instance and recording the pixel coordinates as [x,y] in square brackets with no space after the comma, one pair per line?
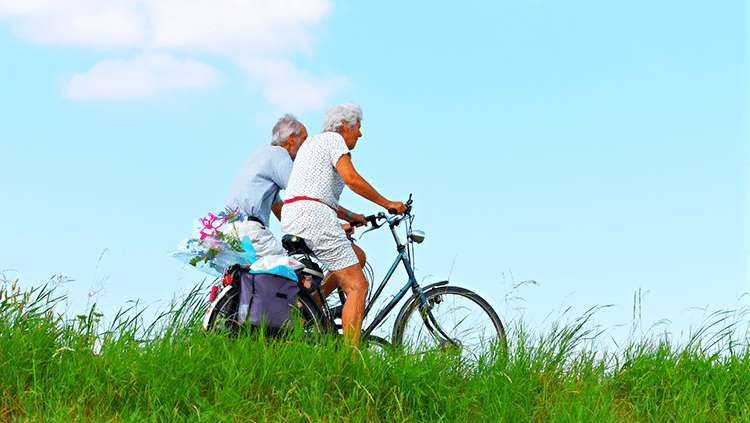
[359,185]
[355,219]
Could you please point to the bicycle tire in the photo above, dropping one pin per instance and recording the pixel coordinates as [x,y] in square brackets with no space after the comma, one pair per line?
[376,342]
[309,318]
[475,330]
[223,318]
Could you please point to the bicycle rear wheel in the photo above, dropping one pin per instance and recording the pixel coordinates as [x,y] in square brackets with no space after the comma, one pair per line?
[223,318]
[308,318]
[474,331]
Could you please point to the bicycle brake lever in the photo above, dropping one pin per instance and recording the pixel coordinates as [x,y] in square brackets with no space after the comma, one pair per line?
[373,220]
[371,229]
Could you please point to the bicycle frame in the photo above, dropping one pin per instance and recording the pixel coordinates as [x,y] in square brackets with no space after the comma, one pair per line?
[411,283]
[403,257]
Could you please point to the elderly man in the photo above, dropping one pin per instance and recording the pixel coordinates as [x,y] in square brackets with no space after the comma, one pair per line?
[311,207]
[256,188]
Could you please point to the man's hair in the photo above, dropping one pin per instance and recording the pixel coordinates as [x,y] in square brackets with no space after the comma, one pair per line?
[336,115]
[287,125]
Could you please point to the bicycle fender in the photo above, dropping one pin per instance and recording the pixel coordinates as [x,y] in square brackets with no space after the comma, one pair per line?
[212,306]
[414,298]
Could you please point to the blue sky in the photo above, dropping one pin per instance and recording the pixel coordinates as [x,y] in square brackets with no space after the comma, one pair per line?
[596,148]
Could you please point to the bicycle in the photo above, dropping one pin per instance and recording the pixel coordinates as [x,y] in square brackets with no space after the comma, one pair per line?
[437,315]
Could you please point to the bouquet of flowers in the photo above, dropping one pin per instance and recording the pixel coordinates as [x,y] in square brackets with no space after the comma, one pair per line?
[212,247]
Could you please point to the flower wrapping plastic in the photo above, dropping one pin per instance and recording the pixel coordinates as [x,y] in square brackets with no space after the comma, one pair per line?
[210,250]
[283,266]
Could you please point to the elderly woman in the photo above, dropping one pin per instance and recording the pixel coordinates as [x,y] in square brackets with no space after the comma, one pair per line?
[311,207]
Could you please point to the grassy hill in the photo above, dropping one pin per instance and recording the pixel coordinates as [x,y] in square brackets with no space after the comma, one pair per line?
[54,369]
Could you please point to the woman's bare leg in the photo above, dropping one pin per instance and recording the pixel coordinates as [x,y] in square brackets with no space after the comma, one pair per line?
[331,281]
[354,284]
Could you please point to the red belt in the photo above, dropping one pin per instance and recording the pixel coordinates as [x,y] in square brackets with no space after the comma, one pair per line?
[291,200]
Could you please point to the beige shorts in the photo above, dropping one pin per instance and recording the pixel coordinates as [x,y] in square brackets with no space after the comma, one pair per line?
[263,241]
[318,225]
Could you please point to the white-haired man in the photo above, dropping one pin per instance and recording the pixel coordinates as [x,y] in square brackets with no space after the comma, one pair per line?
[311,208]
[256,188]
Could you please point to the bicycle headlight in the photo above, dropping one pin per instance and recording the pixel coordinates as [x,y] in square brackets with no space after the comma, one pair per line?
[416,235]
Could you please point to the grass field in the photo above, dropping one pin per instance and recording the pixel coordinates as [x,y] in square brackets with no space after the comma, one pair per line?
[56,369]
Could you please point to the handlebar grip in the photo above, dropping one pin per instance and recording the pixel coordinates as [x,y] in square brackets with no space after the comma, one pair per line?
[371,218]
[392,211]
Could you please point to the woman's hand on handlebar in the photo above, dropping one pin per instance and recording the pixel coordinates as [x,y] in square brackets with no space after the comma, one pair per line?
[395,207]
[374,219]
[357,219]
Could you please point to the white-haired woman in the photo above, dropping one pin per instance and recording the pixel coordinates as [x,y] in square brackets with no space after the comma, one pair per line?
[311,208]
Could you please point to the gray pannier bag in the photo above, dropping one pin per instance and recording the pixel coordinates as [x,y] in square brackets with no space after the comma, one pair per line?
[265,298]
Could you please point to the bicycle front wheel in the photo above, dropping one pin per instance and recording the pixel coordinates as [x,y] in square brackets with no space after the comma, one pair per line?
[452,319]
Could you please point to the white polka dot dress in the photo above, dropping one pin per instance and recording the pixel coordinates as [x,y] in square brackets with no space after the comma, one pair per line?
[314,175]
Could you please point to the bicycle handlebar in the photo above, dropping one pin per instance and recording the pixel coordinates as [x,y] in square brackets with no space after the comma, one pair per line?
[373,219]
[392,221]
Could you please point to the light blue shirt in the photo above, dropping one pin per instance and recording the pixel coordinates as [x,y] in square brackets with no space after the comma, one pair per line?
[257,185]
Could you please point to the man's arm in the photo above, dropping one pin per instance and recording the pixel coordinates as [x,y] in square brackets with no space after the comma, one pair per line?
[282,171]
[276,209]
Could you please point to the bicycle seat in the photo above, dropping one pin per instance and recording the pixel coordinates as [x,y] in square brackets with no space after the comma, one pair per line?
[295,245]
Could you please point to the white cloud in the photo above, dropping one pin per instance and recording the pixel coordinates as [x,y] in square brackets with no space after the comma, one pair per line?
[291,88]
[85,22]
[212,26]
[260,34]
[149,75]
[228,26]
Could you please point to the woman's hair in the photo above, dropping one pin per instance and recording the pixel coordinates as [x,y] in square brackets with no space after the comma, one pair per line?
[336,115]
[287,125]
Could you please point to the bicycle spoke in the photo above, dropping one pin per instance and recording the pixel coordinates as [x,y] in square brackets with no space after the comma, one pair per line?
[454,321]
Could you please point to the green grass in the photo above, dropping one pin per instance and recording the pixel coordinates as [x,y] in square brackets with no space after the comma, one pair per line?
[57,369]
